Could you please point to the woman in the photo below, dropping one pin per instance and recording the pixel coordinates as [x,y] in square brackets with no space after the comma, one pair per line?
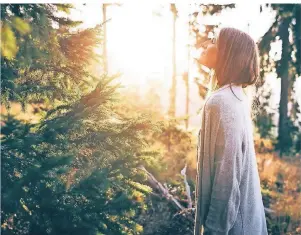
[228,195]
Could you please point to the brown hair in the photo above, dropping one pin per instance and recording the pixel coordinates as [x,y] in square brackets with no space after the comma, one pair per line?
[237,58]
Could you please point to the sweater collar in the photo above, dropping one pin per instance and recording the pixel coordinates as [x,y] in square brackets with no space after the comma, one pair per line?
[237,89]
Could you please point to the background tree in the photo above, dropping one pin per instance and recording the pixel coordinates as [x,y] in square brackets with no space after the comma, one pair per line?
[172,108]
[287,29]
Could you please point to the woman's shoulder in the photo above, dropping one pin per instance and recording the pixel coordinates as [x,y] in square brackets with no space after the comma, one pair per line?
[226,99]
[214,105]
[217,99]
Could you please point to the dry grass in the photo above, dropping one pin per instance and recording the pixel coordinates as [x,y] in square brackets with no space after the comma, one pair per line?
[281,189]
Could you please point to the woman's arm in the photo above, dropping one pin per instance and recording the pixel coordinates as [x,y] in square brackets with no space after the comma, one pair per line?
[210,119]
[225,194]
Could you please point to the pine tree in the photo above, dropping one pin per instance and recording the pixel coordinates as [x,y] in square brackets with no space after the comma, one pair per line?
[41,56]
[173,89]
[76,171]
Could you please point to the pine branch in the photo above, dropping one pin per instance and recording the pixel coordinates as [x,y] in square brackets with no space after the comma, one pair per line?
[163,190]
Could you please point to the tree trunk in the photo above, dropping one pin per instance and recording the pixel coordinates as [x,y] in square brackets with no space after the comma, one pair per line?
[283,128]
[172,107]
[186,79]
[297,31]
[104,19]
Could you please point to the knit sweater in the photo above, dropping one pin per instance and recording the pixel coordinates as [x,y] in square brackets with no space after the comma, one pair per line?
[228,196]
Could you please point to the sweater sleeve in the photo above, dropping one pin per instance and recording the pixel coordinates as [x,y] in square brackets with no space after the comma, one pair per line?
[225,194]
[205,150]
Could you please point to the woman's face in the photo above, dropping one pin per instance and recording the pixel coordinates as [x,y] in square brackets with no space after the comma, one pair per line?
[208,57]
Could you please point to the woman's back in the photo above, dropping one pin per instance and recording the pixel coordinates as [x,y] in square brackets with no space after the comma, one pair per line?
[230,186]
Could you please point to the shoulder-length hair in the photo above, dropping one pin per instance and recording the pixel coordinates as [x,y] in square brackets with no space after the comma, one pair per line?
[237,58]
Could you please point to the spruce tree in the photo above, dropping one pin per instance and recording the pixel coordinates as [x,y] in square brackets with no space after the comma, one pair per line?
[75,171]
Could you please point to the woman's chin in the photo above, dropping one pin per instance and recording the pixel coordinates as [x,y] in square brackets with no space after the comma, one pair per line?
[205,63]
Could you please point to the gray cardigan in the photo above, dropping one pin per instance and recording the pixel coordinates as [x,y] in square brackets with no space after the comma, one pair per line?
[228,196]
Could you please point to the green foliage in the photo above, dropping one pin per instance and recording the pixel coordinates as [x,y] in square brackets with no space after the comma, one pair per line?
[170,145]
[8,42]
[262,113]
[170,149]
[77,170]
[177,144]
[42,57]
[165,219]
[74,172]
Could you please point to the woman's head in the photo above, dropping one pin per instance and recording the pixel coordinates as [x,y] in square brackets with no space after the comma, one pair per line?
[233,56]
